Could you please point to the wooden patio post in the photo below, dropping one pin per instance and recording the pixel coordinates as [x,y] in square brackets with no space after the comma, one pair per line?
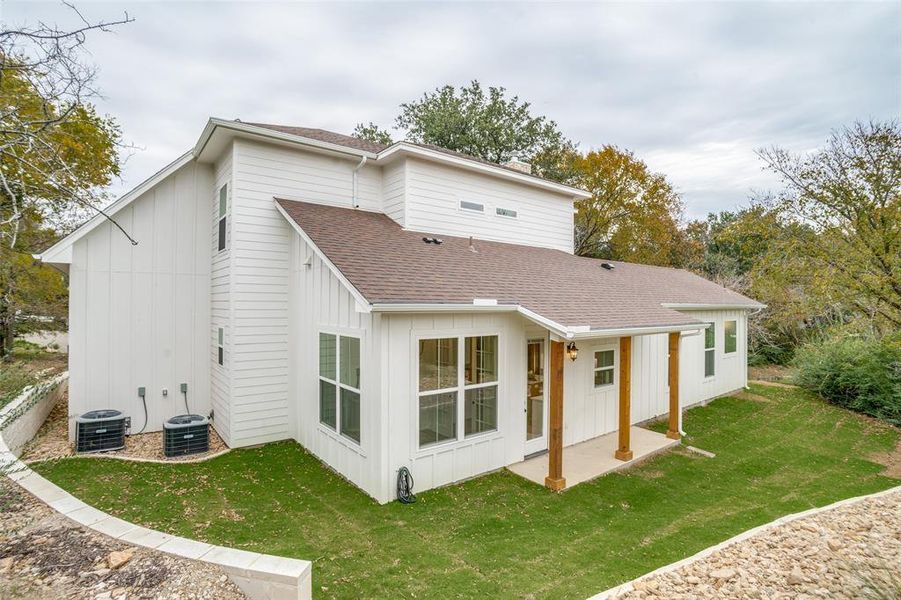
[555,479]
[673,429]
[624,452]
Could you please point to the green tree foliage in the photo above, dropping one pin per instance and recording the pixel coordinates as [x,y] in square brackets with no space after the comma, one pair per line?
[849,194]
[486,124]
[633,214]
[373,133]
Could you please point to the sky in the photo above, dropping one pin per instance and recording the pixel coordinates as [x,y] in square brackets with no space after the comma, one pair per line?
[693,89]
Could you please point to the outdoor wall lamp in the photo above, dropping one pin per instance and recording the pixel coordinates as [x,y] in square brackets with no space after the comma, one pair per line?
[572,350]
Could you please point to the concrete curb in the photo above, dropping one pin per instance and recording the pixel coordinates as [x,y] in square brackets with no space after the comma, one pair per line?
[260,576]
[629,585]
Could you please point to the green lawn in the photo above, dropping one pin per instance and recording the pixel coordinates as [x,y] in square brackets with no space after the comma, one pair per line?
[500,535]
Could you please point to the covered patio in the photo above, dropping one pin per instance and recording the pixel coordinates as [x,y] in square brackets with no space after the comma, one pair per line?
[590,459]
[594,457]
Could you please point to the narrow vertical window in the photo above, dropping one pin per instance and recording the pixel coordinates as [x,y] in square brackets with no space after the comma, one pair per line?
[339,384]
[223,217]
[220,341]
[603,368]
[710,350]
[730,344]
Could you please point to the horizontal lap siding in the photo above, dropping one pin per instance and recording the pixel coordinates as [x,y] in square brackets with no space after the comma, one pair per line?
[220,301]
[434,193]
[393,188]
[139,313]
[262,407]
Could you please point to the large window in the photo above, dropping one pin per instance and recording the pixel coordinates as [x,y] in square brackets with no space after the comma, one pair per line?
[446,385]
[339,384]
[603,368]
[731,337]
[223,217]
[710,350]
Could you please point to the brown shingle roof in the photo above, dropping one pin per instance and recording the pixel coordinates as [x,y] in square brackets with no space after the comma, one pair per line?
[390,265]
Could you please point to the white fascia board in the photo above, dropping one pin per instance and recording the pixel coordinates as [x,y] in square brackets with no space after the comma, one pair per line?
[363,304]
[237,126]
[427,307]
[474,165]
[61,251]
[630,331]
[688,306]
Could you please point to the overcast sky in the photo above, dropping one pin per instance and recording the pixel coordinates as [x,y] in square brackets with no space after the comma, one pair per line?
[691,88]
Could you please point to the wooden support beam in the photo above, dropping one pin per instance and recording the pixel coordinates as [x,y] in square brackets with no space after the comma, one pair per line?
[624,452]
[673,429]
[554,479]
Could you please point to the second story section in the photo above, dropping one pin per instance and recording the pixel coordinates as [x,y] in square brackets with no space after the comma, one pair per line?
[423,188]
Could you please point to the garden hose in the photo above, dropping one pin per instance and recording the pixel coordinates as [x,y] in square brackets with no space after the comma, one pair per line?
[405,486]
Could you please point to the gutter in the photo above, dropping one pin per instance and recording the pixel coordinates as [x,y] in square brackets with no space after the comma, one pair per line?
[356,198]
[757,306]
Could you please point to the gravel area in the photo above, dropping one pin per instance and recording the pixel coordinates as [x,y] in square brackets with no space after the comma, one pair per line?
[43,555]
[52,441]
[853,551]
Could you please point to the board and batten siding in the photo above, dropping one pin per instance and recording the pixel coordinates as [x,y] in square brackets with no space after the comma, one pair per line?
[321,304]
[434,192]
[731,370]
[448,462]
[220,299]
[139,314]
[261,410]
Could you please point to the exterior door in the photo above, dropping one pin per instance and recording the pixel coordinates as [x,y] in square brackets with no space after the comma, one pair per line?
[536,397]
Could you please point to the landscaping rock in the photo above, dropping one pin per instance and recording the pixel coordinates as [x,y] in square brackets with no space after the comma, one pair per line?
[799,560]
[117,559]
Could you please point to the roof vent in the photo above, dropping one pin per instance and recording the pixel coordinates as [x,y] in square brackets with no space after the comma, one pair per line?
[608,266]
[436,241]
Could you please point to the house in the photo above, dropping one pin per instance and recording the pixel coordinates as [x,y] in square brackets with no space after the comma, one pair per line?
[386,306]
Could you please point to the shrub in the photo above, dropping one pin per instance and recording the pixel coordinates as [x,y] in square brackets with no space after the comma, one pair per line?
[859,373]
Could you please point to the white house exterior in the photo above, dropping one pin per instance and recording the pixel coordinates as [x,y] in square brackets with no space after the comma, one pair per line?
[281,273]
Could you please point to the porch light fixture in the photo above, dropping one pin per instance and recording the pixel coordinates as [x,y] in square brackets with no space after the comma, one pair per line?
[572,350]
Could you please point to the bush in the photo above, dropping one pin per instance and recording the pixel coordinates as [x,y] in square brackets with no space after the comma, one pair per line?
[859,373]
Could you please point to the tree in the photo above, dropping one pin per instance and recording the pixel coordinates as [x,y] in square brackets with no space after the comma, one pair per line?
[56,153]
[487,125]
[849,194]
[633,214]
[372,133]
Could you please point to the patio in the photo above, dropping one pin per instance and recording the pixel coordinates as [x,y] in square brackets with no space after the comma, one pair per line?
[593,458]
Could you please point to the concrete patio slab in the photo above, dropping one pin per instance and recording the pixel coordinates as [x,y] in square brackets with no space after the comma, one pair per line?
[590,459]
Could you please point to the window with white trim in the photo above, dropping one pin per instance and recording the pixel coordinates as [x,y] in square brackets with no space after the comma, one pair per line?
[223,218]
[472,206]
[339,384]
[730,337]
[220,346]
[505,212]
[457,398]
[603,368]
[710,350]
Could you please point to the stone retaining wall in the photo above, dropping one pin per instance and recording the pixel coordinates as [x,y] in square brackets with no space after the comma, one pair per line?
[21,419]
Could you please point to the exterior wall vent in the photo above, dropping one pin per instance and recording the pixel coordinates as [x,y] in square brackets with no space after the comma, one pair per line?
[100,431]
[186,434]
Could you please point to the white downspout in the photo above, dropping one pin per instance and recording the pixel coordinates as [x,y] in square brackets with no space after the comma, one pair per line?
[356,200]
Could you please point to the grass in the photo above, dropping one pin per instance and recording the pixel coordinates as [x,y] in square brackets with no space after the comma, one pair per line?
[27,364]
[500,535]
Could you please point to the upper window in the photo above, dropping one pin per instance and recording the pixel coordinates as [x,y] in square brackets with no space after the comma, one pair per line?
[339,384]
[505,212]
[446,386]
[731,337]
[710,350]
[603,368]
[223,217]
[220,344]
[472,206]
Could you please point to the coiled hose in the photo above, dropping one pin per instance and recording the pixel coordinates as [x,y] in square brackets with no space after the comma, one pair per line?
[405,486]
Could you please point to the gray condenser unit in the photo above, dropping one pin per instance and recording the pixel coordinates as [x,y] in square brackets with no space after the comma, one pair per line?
[100,431]
[186,434]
